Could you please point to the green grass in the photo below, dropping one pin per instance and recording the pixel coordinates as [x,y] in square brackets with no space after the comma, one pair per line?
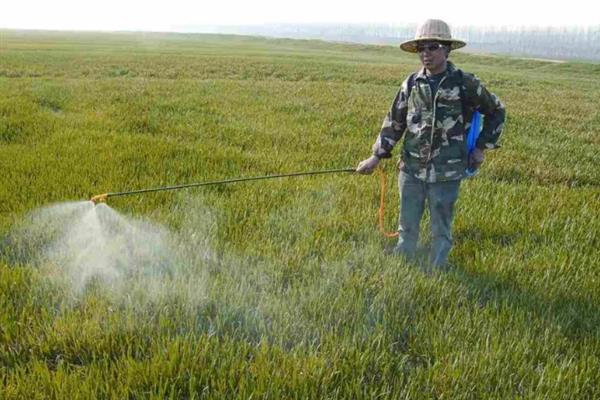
[294,296]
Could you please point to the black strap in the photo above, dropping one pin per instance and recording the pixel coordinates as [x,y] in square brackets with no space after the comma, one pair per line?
[411,83]
[463,96]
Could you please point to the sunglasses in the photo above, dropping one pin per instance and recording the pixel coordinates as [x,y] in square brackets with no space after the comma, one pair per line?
[429,47]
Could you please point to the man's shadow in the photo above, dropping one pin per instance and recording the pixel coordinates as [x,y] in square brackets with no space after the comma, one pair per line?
[574,314]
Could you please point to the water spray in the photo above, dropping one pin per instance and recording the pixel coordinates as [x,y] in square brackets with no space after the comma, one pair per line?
[102,198]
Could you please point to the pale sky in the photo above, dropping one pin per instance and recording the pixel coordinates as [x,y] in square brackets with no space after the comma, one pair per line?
[163,15]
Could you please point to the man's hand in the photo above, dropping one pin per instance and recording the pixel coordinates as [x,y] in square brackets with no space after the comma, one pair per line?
[476,158]
[367,166]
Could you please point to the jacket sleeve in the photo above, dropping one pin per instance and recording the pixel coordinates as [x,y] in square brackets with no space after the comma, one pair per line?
[491,107]
[394,124]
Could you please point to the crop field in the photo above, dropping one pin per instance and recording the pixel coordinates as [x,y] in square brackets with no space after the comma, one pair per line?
[282,288]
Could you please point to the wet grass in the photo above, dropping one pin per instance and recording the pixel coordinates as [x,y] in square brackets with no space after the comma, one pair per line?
[296,297]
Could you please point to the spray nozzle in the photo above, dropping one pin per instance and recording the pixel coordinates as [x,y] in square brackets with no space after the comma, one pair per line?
[100,198]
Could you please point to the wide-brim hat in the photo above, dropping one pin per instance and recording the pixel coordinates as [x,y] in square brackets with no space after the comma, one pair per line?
[432,30]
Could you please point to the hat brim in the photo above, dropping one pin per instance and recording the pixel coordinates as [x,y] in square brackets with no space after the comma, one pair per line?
[411,45]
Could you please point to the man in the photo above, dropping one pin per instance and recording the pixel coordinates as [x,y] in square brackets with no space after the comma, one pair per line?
[434,106]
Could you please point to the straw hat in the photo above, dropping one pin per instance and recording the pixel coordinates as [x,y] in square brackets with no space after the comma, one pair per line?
[435,30]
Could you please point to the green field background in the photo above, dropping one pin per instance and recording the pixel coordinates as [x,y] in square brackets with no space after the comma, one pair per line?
[296,298]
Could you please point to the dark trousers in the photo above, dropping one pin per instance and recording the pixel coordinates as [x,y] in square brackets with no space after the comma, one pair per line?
[440,198]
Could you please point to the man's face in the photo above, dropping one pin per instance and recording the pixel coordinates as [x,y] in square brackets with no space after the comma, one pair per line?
[433,55]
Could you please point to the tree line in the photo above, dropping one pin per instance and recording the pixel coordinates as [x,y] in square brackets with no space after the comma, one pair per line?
[564,43]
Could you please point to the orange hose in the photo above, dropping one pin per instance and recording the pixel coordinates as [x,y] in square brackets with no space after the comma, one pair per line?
[381,211]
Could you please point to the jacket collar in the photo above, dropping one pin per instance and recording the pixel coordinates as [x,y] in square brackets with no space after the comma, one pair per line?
[450,69]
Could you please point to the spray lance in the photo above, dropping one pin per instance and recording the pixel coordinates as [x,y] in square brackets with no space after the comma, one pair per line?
[102,198]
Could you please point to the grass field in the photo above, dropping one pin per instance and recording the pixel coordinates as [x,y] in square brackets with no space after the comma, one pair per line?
[281,288]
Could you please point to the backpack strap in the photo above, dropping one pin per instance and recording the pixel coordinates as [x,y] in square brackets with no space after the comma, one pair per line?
[410,84]
[463,95]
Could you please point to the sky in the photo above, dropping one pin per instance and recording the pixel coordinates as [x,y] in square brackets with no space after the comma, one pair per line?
[172,15]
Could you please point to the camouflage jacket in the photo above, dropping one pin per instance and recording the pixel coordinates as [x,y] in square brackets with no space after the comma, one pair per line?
[435,146]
